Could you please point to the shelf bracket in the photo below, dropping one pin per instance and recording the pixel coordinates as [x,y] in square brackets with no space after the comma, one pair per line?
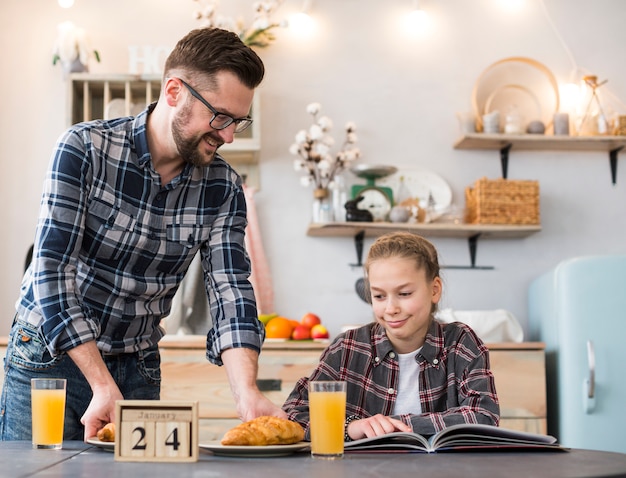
[613,163]
[358,245]
[504,159]
[472,242]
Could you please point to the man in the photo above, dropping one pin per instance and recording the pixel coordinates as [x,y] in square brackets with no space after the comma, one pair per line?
[126,205]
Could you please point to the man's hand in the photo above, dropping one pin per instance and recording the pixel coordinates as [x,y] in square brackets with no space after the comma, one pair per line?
[376,426]
[242,367]
[101,409]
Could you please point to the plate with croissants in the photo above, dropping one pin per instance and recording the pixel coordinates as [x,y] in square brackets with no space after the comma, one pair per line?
[261,437]
[105,438]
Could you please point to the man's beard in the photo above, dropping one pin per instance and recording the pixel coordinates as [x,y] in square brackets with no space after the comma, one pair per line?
[189,148]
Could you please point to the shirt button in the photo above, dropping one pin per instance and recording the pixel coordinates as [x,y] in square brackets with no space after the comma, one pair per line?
[152,236]
[391,391]
[376,359]
[392,355]
[435,361]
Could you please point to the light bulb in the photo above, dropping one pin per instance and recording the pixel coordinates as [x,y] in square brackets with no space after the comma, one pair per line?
[302,24]
[416,21]
[569,97]
[66,3]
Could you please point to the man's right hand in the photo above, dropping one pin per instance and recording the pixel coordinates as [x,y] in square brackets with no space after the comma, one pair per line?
[101,409]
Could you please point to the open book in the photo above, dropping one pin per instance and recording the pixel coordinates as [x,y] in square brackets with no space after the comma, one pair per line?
[463,437]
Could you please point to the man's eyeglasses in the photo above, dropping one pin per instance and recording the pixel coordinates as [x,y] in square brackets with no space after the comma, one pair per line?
[219,120]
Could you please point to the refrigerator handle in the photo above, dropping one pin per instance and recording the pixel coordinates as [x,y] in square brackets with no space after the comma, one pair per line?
[589,384]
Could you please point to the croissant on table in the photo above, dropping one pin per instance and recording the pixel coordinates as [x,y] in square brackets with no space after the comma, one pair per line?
[263,431]
[107,433]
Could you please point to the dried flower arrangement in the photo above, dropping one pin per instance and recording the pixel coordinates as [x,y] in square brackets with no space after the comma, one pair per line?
[313,148]
[258,34]
[72,48]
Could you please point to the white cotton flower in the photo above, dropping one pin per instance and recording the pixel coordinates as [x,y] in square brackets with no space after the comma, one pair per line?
[298,165]
[260,24]
[313,108]
[294,149]
[351,138]
[325,123]
[329,141]
[350,127]
[324,165]
[302,137]
[321,149]
[305,180]
[316,133]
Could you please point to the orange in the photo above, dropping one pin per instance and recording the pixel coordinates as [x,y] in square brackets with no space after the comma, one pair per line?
[279,328]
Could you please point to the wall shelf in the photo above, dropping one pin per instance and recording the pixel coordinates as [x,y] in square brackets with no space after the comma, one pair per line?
[528,142]
[471,232]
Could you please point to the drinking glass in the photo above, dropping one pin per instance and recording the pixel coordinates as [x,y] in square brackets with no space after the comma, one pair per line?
[327,409]
[48,412]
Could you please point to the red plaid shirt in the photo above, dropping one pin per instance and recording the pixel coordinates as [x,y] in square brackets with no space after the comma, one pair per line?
[456,383]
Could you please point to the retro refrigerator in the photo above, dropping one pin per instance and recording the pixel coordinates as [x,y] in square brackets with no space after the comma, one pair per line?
[579,310]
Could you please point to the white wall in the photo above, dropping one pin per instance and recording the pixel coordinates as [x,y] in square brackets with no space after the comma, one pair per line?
[402,93]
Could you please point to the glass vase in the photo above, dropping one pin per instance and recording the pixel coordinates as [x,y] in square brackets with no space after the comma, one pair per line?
[322,206]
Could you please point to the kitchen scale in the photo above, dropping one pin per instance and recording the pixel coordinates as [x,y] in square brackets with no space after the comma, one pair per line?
[377,199]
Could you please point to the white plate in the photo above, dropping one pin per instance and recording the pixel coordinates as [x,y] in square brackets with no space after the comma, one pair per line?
[533,83]
[420,184]
[106,445]
[217,448]
[514,98]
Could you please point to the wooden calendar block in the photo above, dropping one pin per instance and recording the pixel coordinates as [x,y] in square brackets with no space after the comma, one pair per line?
[153,430]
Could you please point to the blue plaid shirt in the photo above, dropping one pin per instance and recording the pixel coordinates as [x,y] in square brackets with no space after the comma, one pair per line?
[113,244]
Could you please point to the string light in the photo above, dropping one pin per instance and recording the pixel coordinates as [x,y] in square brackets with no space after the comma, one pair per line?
[301,23]
[417,20]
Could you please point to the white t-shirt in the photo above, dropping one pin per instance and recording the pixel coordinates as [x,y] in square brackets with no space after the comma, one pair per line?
[408,399]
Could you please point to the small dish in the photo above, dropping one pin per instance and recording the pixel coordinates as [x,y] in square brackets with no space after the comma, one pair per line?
[105,445]
[421,184]
[269,451]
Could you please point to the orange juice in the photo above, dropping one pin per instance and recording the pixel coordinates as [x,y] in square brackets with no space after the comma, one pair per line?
[327,414]
[48,409]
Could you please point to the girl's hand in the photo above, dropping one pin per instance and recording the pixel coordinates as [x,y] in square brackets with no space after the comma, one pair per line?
[376,426]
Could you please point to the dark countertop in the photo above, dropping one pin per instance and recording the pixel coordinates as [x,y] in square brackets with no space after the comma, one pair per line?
[77,459]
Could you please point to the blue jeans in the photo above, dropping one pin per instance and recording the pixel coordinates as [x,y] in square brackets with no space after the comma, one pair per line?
[138,375]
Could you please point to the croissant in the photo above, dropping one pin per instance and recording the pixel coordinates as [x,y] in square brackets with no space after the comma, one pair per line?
[107,433]
[263,431]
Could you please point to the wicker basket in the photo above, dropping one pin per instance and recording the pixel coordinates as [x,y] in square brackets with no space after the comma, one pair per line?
[502,201]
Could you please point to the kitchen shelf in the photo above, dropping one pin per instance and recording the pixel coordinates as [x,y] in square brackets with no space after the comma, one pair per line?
[471,232]
[528,142]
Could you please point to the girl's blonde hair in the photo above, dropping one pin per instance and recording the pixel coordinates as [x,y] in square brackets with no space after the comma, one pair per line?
[407,246]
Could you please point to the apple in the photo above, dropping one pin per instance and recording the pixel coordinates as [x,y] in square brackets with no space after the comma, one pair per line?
[319,332]
[310,320]
[301,332]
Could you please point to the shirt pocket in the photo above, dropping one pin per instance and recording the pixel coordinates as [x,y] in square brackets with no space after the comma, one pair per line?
[182,244]
[109,231]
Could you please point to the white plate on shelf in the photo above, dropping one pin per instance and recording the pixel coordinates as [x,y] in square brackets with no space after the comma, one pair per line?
[513,98]
[106,445]
[217,448]
[530,81]
[420,184]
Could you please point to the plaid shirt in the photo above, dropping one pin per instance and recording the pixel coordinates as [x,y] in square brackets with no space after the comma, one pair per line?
[456,384]
[113,244]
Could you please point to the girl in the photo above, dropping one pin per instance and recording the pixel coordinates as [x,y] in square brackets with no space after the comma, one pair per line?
[405,371]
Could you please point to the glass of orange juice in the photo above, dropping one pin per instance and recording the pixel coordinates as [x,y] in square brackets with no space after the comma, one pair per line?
[327,410]
[48,410]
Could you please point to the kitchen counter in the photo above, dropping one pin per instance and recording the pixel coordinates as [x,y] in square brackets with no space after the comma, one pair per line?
[77,459]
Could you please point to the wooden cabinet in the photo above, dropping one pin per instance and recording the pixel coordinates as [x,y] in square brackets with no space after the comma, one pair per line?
[103,96]
[519,371]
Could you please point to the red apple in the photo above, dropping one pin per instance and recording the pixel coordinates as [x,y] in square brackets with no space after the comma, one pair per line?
[310,320]
[319,332]
[301,332]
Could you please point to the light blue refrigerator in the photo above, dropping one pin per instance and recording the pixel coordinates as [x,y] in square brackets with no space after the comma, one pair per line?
[579,310]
